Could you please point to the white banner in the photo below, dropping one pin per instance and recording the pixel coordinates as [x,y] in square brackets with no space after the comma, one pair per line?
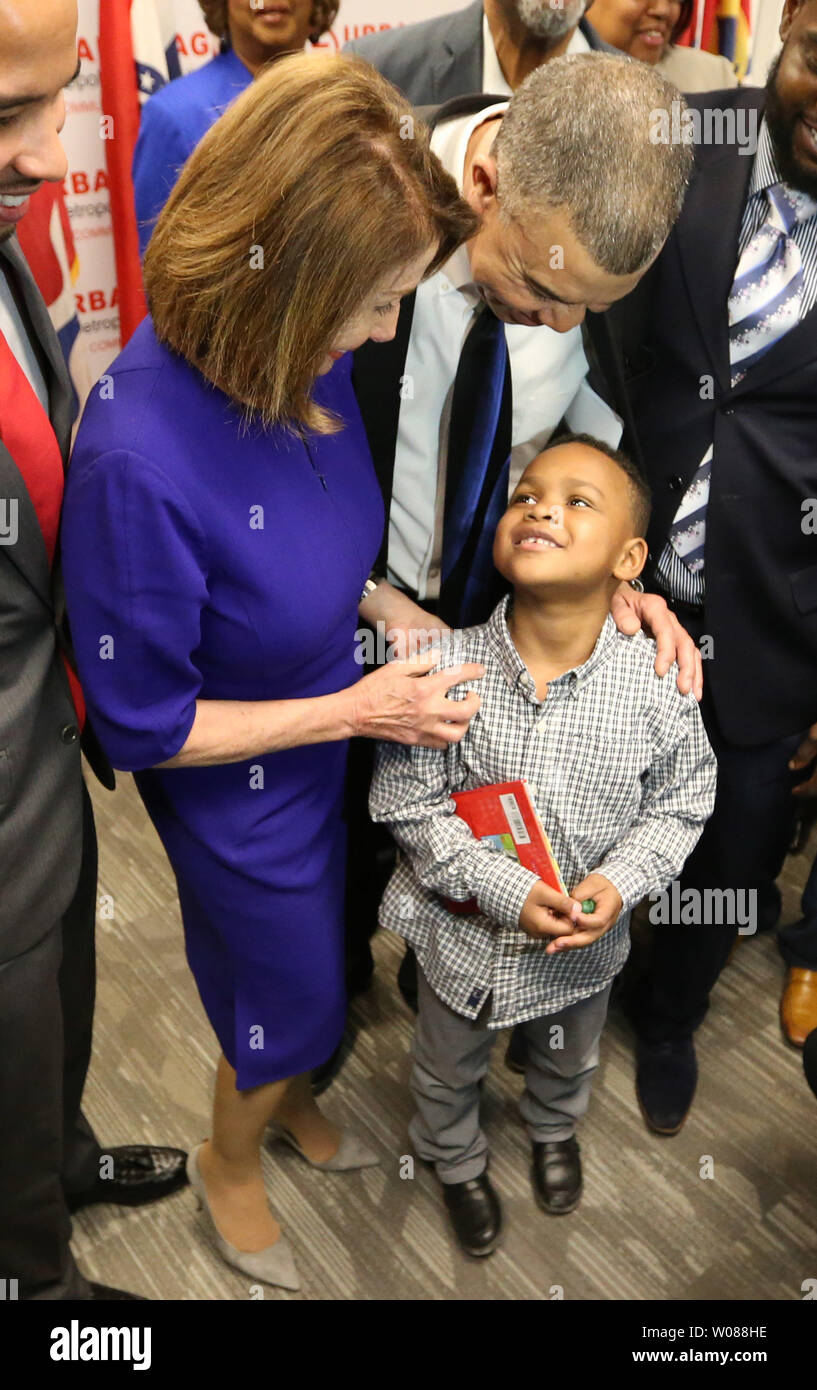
[180,28]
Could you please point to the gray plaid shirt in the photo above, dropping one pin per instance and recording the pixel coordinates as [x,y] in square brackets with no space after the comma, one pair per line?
[623,778]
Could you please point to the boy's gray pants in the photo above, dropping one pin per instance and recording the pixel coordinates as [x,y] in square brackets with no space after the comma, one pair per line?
[451,1056]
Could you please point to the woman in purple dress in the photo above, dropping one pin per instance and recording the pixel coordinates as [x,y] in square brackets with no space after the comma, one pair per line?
[221,521]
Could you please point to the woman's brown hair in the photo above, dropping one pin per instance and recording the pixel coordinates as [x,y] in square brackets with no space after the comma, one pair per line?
[217,21]
[311,188]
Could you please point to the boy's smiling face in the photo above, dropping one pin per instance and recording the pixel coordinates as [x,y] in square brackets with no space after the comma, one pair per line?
[569,527]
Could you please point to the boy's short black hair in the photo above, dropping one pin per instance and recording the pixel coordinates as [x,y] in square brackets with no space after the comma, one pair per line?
[639,488]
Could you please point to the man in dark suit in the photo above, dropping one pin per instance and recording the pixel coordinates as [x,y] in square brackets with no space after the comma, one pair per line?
[727,420]
[490,46]
[50,1161]
[419,393]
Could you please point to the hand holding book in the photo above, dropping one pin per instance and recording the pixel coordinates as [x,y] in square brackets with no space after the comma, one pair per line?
[505,816]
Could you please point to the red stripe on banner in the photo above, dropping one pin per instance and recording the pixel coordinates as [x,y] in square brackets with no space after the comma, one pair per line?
[120,100]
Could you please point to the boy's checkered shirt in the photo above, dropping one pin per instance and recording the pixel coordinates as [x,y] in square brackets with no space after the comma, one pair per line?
[622,775]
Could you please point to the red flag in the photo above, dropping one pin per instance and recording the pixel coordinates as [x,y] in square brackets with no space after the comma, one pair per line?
[120,102]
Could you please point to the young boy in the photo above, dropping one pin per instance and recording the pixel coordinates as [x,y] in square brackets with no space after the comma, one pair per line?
[623,778]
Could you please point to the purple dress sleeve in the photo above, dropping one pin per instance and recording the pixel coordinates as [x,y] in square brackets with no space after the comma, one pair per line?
[133,549]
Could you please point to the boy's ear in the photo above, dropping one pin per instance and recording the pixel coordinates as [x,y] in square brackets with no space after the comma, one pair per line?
[633,559]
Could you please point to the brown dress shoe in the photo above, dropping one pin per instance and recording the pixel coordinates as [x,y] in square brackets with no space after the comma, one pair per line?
[798,1007]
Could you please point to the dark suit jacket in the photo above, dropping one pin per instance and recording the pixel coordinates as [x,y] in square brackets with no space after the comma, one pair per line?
[40,770]
[761,569]
[438,59]
[378,367]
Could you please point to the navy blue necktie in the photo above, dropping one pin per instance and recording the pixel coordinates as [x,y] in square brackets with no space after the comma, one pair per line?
[477,474]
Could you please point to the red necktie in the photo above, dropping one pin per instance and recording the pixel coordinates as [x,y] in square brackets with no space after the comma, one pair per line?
[27,433]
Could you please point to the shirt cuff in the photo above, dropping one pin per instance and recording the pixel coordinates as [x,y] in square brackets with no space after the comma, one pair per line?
[630,883]
[505,887]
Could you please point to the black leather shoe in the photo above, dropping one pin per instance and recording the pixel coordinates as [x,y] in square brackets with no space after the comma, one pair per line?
[666,1076]
[516,1056]
[557,1175]
[141,1173]
[106,1293]
[475,1214]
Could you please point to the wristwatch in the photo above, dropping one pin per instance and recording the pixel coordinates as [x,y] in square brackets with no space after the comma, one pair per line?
[370,585]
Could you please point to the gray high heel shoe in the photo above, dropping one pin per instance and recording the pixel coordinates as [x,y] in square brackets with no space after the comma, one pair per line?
[352,1152]
[274,1265]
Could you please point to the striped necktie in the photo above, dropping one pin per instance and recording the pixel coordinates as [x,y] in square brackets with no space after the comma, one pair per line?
[764,303]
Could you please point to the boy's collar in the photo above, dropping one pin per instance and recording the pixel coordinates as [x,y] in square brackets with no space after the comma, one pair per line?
[516,672]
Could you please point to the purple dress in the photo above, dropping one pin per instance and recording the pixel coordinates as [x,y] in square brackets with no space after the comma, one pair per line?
[202,559]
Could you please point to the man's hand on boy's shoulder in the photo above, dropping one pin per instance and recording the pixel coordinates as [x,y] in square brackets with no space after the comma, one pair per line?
[552,914]
[632,610]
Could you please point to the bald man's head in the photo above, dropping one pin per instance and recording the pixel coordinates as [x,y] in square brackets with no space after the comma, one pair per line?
[38,58]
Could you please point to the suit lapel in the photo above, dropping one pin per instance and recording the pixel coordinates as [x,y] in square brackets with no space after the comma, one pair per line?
[23,544]
[709,252]
[457,65]
[60,395]
[607,378]
[707,235]
[28,553]
[377,373]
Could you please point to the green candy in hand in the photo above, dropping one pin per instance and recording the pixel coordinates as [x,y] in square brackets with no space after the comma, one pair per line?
[589,905]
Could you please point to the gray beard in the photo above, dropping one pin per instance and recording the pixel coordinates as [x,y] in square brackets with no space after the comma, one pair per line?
[550,19]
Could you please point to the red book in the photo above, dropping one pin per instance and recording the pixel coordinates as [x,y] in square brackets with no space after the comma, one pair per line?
[504,814]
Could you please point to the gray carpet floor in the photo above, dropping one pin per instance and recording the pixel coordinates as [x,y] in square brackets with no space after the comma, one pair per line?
[652,1224]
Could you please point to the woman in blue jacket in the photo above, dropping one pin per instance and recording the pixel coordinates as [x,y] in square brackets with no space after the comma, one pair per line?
[221,521]
[252,33]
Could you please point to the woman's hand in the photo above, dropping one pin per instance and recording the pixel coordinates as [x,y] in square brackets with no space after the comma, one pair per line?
[632,610]
[403,704]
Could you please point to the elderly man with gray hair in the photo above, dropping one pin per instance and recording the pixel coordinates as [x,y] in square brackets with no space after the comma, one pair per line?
[490,46]
[490,358]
